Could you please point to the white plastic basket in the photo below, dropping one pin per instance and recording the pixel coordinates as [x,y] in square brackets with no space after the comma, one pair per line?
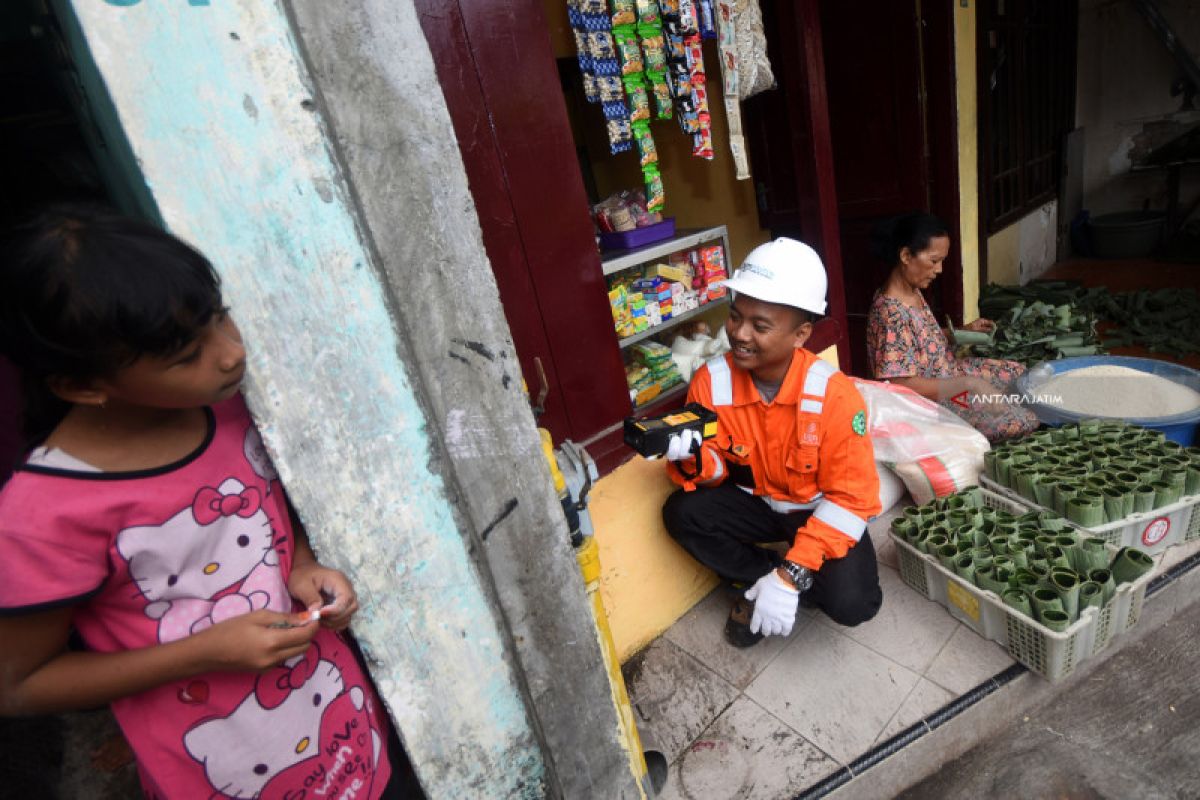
[1052,655]
[1152,531]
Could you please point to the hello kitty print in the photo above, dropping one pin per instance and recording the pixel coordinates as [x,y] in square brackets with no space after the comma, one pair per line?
[154,557]
[211,561]
[308,729]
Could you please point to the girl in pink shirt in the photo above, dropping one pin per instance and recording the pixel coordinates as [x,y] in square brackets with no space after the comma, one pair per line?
[151,520]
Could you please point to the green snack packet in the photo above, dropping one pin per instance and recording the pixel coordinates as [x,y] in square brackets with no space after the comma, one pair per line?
[656,196]
[638,100]
[624,12]
[647,14]
[645,143]
[654,49]
[663,107]
[629,52]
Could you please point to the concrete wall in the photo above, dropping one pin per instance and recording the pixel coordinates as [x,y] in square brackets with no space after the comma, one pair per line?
[1024,250]
[1124,104]
[337,211]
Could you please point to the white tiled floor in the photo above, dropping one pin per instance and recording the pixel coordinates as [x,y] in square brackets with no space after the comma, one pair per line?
[775,719]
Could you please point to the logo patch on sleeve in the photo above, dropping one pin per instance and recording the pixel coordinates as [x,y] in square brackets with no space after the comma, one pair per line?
[859,423]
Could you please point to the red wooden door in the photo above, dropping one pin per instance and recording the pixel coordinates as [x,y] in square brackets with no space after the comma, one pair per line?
[884,106]
[845,140]
[498,75]
[788,136]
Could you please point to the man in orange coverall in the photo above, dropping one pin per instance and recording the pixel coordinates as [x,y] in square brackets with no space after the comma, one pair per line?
[791,460]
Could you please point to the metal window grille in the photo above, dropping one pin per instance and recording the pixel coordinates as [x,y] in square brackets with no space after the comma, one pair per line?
[1026,67]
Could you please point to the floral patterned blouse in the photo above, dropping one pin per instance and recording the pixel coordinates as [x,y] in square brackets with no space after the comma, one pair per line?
[906,342]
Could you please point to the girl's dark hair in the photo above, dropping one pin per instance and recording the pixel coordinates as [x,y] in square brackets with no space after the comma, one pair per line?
[85,292]
[912,230]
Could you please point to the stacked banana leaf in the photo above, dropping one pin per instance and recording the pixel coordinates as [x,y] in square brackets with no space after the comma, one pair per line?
[1162,320]
[1036,322]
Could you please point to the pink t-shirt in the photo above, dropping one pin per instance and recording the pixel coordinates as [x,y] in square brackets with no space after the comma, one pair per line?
[153,556]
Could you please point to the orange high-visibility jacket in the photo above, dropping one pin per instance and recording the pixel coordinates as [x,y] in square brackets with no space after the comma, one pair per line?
[808,449]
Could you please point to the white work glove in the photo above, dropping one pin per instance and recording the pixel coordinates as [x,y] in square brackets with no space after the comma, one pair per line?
[774,605]
[680,446]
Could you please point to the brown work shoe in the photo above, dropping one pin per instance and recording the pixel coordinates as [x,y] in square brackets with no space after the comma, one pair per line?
[737,627]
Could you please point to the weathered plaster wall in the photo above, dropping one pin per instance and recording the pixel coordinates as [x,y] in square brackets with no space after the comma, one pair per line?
[1024,250]
[376,81]
[342,333]
[1124,103]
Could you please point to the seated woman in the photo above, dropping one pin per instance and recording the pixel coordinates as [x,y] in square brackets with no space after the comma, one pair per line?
[906,346]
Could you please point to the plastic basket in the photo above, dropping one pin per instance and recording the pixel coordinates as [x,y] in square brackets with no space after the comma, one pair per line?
[1052,655]
[1152,531]
[638,237]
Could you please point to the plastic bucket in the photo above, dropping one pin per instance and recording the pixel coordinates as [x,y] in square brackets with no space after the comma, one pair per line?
[1129,234]
[1179,428]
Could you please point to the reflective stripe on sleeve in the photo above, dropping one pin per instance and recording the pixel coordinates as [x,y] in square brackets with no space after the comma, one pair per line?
[812,406]
[721,381]
[720,470]
[840,519]
[819,373]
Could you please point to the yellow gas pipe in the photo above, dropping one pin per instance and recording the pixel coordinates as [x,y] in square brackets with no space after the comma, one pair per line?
[587,554]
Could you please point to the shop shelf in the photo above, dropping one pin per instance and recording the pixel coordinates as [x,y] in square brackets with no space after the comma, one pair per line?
[670,394]
[683,240]
[673,321]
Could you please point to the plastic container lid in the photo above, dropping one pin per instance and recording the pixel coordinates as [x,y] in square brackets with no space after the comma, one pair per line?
[1029,382]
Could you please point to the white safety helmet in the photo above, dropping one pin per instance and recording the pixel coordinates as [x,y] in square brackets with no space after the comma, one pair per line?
[784,271]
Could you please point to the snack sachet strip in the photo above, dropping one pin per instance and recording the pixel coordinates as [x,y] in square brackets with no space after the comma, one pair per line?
[596,51]
[730,86]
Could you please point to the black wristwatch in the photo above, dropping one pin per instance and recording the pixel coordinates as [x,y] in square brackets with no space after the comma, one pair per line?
[801,576]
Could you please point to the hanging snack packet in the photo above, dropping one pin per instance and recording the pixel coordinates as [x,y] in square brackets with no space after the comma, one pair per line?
[620,135]
[629,53]
[624,12]
[654,48]
[639,101]
[699,83]
[655,195]
[647,11]
[645,143]
[702,146]
[610,89]
[688,18]
[708,24]
[662,94]
[600,44]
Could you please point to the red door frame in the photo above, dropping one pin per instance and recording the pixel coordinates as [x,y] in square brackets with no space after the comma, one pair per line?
[498,75]
[812,151]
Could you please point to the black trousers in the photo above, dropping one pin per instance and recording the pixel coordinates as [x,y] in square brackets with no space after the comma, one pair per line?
[722,526]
